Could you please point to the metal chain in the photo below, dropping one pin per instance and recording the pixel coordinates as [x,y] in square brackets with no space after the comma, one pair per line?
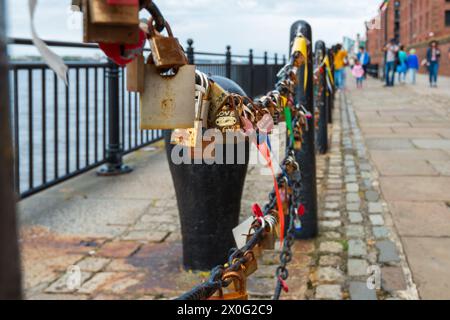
[237,257]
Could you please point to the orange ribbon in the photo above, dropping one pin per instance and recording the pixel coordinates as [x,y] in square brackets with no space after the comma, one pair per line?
[265,151]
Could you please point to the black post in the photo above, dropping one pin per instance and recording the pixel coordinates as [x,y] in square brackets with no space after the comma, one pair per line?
[331,94]
[307,156]
[114,152]
[209,199]
[250,63]
[321,99]
[190,51]
[228,62]
[10,278]
[284,59]
[276,59]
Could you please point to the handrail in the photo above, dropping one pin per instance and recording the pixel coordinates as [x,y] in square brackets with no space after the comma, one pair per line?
[66,44]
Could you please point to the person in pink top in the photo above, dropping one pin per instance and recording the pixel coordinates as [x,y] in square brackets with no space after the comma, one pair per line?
[358,73]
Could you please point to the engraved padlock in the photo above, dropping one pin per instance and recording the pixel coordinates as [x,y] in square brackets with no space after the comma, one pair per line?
[227,117]
[167,52]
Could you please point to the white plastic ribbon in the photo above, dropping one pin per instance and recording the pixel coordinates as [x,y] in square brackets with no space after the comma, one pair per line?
[50,58]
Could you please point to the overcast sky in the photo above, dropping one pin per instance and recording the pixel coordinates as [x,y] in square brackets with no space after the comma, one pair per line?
[213,24]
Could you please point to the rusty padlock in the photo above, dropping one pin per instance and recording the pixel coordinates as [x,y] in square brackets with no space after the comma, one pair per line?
[251,264]
[167,52]
[103,23]
[239,290]
[268,242]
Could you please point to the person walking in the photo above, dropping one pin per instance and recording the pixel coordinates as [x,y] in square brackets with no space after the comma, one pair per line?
[402,66]
[358,73]
[340,58]
[433,58]
[364,57]
[391,50]
[413,65]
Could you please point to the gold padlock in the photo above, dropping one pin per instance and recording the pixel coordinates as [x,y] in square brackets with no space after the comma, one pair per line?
[227,117]
[109,28]
[104,13]
[239,290]
[166,51]
[217,96]
[195,140]
[298,140]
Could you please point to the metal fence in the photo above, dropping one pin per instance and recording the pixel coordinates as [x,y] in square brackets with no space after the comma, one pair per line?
[62,131]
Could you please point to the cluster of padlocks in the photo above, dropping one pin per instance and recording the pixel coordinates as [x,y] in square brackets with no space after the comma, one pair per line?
[176,96]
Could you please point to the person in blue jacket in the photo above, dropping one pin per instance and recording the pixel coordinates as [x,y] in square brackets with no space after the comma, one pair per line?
[363,57]
[402,66]
[413,65]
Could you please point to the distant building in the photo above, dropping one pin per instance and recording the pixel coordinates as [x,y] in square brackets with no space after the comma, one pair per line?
[413,23]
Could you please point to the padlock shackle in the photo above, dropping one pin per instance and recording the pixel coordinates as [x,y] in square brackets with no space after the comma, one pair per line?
[152,8]
[151,28]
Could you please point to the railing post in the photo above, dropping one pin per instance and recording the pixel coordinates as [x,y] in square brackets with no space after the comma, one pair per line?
[276,59]
[190,51]
[284,59]
[321,99]
[10,278]
[114,151]
[228,62]
[266,68]
[306,157]
[250,63]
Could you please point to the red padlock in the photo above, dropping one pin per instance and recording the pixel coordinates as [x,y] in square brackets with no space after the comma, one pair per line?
[123,54]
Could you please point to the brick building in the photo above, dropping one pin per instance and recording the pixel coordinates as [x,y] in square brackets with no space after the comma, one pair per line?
[414,23]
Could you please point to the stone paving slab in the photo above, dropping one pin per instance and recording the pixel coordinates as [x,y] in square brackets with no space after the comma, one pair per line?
[414,181]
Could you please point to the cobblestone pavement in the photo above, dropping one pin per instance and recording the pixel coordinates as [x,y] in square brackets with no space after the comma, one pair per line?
[407,133]
[125,237]
[356,231]
[124,233]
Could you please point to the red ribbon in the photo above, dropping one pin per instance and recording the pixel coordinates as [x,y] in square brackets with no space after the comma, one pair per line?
[301,210]
[257,212]
[284,285]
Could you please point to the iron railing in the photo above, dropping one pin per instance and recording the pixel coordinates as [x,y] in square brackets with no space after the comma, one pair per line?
[62,131]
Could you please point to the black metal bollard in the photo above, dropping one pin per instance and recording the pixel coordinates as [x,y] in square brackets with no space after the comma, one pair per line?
[209,202]
[331,94]
[307,156]
[322,100]
[10,278]
[114,152]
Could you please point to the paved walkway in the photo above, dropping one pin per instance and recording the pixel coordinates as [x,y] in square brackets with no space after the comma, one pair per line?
[124,234]
[407,132]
